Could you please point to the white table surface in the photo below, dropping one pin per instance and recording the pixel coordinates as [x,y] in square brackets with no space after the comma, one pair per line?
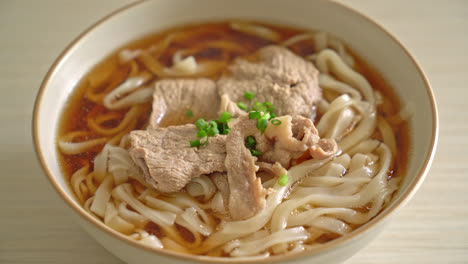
[35,226]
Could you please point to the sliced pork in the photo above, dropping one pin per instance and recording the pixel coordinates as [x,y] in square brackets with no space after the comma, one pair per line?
[274,75]
[246,194]
[167,159]
[289,140]
[172,98]
[221,181]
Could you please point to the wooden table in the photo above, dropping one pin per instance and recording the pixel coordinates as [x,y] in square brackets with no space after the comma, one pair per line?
[35,227]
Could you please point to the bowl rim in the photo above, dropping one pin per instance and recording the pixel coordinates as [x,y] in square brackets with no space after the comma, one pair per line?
[206,259]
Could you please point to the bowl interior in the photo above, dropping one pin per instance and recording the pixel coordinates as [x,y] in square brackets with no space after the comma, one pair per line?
[372,43]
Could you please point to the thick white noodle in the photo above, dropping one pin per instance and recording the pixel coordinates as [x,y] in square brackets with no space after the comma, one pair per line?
[322,41]
[162,205]
[114,221]
[187,66]
[258,246]
[100,163]
[256,30]
[102,196]
[201,186]
[127,55]
[116,100]
[68,147]
[329,62]
[123,192]
[133,217]
[193,222]
[77,180]
[152,241]
[365,195]
[327,82]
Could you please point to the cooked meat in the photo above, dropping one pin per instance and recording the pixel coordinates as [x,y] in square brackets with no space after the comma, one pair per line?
[167,159]
[275,169]
[173,98]
[246,193]
[325,148]
[230,106]
[276,75]
[221,181]
[291,139]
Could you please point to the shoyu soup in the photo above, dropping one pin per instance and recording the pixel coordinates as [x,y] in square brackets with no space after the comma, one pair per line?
[234,139]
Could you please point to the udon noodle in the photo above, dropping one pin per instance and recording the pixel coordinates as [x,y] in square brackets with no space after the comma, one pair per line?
[323,199]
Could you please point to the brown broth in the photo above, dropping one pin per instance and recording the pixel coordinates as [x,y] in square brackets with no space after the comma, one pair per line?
[79,108]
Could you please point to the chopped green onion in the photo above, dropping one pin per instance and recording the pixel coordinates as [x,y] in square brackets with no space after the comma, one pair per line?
[189,113]
[276,122]
[283,180]
[212,131]
[262,124]
[212,123]
[259,107]
[242,106]
[250,142]
[223,128]
[225,131]
[248,95]
[272,115]
[255,152]
[254,115]
[195,143]
[201,124]
[201,134]
[224,118]
[269,106]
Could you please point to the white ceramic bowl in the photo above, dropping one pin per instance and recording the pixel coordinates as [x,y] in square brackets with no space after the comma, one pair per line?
[369,40]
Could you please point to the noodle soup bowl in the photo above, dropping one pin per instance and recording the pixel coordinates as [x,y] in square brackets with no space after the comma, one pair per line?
[370,41]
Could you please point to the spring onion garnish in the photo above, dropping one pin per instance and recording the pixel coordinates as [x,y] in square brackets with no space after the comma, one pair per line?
[242,106]
[259,107]
[225,117]
[283,180]
[250,144]
[201,134]
[248,95]
[201,124]
[223,128]
[212,123]
[195,143]
[255,152]
[262,124]
[269,106]
[254,115]
[276,122]
[263,112]
[211,129]
[189,113]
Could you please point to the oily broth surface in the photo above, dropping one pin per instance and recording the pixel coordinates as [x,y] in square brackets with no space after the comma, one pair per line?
[79,108]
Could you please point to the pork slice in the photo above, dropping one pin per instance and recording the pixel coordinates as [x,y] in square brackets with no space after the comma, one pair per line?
[294,136]
[246,193]
[168,161]
[172,98]
[275,75]
[221,181]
